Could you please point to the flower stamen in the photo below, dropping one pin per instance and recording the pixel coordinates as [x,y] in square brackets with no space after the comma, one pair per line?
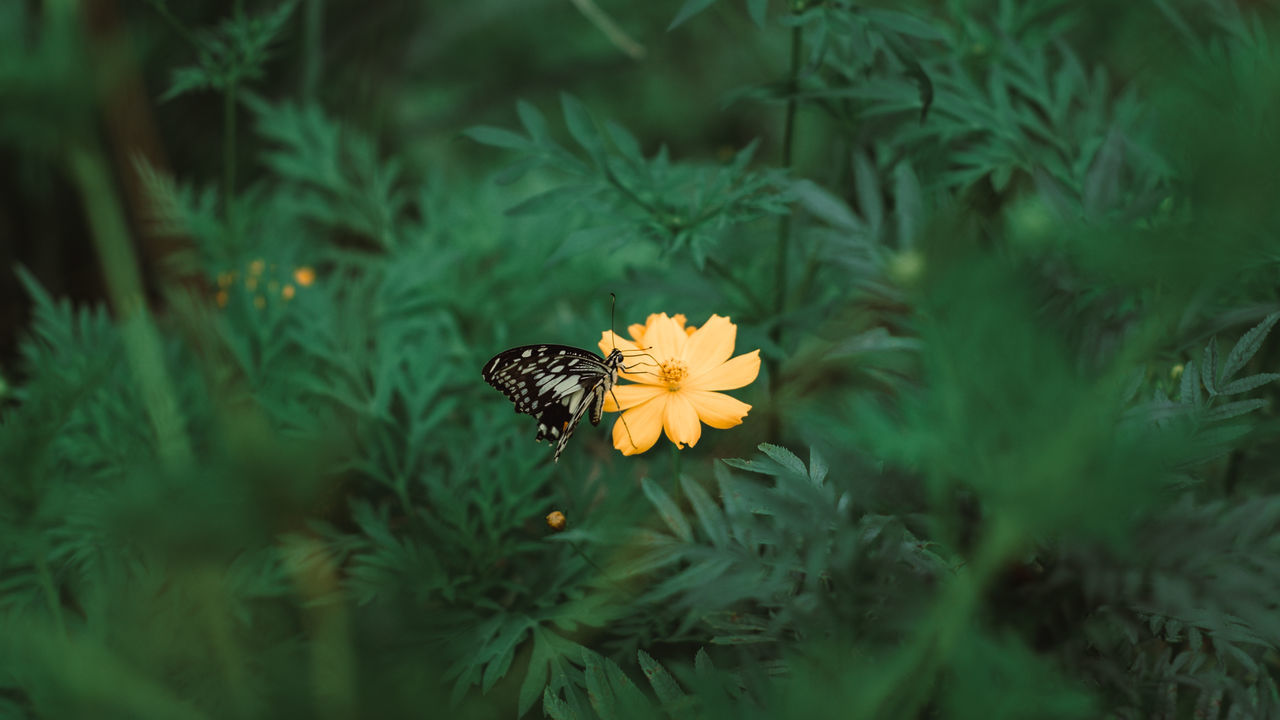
[673,372]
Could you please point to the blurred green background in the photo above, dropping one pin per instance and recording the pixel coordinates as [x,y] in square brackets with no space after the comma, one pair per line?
[1011,267]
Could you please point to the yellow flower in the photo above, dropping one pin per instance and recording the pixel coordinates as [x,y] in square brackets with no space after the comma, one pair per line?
[677,372]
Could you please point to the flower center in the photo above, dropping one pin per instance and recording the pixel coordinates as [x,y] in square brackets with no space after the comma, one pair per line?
[672,372]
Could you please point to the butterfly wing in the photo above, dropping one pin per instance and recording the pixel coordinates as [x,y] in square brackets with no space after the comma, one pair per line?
[556,384]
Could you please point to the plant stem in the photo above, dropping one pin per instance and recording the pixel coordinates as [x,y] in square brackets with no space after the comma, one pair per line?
[784,223]
[143,349]
[312,39]
[229,148]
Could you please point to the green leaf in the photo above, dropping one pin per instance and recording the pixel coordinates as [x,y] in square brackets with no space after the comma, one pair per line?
[555,708]
[785,458]
[534,122]
[1248,346]
[667,510]
[1233,409]
[664,686]
[828,208]
[581,125]
[688,10]
[817,467]
[535,680]
[498,137]
[757,9]
[1209,367]
[1189,395]
[904,24]
[1245,384]
[709,515]
[598,689]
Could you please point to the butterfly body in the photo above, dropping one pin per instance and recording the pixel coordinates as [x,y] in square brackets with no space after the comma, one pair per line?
[556,384]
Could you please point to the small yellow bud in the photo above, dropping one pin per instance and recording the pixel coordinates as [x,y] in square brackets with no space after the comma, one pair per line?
[287,292]
[1176,371]
[556,521]
[256,267]
[221,298]
[304,275]
[259,301]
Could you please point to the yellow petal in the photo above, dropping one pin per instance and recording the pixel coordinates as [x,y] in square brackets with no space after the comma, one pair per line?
[610,340]
[630,396]
[680,319]
[641,424]
[717,409]
[710,346]
[637,332]
[664,338]
[736,373]
[681,421]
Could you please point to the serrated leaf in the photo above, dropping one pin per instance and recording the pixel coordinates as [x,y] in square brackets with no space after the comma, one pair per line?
[1209,367]
[555,708]
[688,10]
[1248,346]
[598,691]
[664,686]
[1190,385]
[1232,409]
[757,10]
[785,458]
[667,510]
[709,515]
[1245,384]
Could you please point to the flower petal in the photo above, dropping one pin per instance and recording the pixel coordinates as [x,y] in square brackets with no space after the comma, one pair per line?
[717,409]
[637,332]
[630,396]
[710,346]
[736,373]
[681,421]
[664,338]
[642,423]
[610,340]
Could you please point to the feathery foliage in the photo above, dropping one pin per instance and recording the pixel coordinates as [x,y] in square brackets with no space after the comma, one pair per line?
[1010,265]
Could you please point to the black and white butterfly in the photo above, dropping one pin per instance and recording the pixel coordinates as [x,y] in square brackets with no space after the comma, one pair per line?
[556,384]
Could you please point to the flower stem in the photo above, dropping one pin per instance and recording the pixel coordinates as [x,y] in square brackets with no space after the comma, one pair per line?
[312,40]
[144,350]
[229,146]
[675,467]
[784,223]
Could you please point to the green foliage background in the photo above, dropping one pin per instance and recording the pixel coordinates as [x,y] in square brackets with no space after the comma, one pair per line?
[1011,265]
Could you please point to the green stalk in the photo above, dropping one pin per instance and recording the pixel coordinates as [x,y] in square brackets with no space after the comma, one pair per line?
[784,223]
[229,147]
[312,38]
[143,349]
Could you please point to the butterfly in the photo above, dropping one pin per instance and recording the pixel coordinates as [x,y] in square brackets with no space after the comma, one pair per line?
[556,384]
